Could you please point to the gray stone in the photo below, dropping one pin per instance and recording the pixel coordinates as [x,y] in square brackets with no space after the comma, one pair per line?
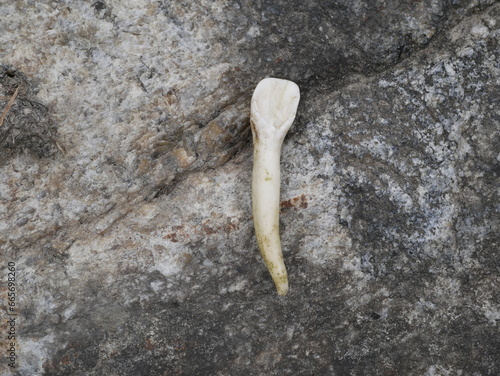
[125,167]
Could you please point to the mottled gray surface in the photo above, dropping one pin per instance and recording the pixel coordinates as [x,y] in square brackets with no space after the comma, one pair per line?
[125,168]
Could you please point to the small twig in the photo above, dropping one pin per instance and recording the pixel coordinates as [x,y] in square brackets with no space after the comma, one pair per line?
[9,105]
[60,148]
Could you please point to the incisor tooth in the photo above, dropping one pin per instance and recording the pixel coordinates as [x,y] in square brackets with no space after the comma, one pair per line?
[273,109]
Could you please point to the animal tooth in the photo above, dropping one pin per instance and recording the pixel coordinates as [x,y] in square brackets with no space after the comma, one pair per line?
[273,108]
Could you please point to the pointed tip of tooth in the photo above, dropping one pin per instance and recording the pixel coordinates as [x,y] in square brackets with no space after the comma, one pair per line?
[282,290]
[281,283]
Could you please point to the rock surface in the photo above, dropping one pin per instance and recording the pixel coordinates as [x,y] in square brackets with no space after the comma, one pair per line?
[125,167]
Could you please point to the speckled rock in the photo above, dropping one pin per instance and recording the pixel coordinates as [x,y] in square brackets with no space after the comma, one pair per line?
[125,167]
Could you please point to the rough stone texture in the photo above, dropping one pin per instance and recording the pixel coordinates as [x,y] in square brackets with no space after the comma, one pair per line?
[124,187]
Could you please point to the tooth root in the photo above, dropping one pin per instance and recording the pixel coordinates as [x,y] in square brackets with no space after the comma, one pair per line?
[273,109]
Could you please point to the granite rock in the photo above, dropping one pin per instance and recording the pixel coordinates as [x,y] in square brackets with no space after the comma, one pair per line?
[125,168]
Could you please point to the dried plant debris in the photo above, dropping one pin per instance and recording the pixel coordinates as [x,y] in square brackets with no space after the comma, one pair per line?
[26,126]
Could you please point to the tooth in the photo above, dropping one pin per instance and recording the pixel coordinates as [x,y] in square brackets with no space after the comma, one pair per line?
[273,109]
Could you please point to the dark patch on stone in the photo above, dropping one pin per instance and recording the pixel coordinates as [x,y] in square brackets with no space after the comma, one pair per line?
[27,126]
[207,333]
